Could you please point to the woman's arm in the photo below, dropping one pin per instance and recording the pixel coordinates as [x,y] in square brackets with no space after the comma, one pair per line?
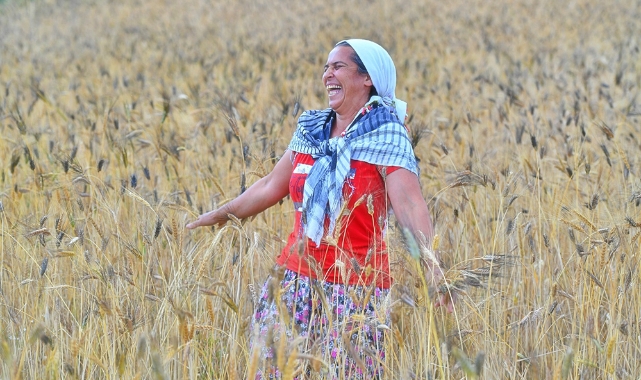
[263,194]
[410,209]
[409,206]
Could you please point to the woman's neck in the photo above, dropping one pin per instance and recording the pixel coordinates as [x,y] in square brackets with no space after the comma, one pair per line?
[341,123]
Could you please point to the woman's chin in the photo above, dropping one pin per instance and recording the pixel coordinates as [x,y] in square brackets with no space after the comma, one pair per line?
[334,103]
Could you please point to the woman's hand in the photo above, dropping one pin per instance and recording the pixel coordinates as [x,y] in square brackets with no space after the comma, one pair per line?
[216,217]
[447,300]
[436,276]
[205,219]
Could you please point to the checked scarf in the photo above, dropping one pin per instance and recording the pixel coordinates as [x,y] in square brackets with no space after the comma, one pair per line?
[375,136]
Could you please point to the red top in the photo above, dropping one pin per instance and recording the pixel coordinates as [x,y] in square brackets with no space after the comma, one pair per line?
[357,237]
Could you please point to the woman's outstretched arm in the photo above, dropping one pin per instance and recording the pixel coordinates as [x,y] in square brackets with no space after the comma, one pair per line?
[410,209]
[263,194]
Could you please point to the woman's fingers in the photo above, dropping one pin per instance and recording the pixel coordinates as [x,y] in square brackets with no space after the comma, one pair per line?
[202,220]
[196,223]
[446,299]
[214,217]
[449,302]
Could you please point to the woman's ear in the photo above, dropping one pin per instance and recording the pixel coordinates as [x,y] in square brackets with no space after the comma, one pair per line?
[368,81]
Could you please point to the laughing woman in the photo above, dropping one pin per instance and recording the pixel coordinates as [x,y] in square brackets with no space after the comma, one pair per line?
[345,167]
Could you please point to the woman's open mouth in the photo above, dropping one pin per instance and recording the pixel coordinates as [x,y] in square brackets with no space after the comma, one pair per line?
[333,90]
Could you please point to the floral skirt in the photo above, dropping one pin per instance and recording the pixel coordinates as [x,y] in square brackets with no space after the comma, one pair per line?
[313,329]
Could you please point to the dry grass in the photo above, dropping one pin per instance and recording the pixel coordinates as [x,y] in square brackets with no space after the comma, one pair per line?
[120,122]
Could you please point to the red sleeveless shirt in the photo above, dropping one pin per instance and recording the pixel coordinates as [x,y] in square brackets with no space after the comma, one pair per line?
[355,253]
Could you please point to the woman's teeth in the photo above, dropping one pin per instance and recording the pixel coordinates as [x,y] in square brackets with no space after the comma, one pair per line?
[333,90]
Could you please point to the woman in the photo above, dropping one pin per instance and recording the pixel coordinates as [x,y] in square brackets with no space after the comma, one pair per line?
[343,167]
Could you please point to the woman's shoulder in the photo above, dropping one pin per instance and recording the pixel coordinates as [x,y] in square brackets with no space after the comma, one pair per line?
[384,114]
[378,118]
[312,122]
[314,116]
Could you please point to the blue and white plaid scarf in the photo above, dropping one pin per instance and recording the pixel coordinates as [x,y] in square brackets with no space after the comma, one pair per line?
[377,137]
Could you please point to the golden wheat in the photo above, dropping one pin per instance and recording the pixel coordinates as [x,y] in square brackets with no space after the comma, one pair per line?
[122,121]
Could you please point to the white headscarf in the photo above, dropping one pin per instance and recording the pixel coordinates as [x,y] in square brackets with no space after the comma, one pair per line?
[381,69]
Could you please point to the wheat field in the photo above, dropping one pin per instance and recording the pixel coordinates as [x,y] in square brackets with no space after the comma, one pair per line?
[122,121]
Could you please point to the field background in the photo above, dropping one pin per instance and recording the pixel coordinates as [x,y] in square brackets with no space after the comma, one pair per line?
[122,121]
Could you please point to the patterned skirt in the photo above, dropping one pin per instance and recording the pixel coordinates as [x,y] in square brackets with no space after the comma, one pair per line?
[309,328]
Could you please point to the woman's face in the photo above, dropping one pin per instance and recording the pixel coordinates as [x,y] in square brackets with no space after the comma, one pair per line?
[347,89]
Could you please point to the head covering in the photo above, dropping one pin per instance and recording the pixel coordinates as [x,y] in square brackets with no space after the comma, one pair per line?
[381,69]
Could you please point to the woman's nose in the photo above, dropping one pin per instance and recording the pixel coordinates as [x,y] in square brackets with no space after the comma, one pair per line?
[328,72]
